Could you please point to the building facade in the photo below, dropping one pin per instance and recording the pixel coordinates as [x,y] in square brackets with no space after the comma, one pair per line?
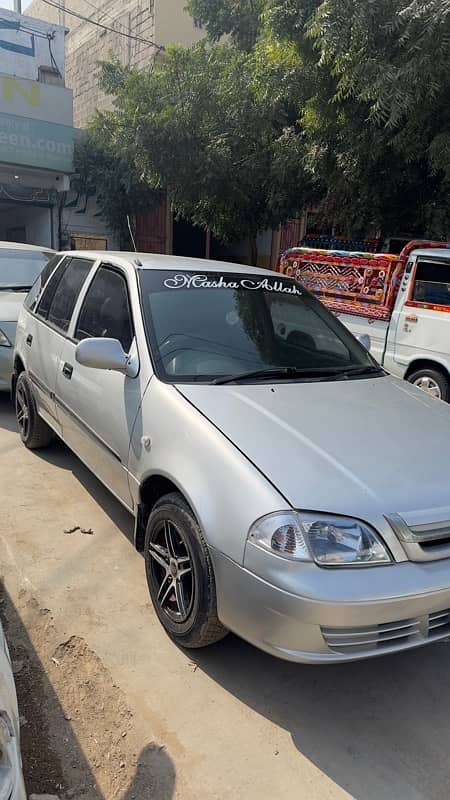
[36,129]
[105,29]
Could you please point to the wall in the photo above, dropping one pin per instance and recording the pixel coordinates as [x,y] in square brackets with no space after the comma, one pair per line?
[174,25]
[24,46]
[87,44]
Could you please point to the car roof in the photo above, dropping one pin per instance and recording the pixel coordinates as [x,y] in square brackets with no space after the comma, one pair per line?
[147,261]
[432,251]
[29,247]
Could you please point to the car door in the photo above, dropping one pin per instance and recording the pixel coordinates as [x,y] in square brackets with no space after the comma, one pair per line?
[422,323]
[47,328]
[97,407]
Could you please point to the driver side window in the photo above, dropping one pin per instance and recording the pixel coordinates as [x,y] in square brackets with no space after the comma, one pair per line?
[105,312]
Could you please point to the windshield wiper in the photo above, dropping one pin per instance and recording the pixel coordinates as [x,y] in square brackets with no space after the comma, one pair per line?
[316,373]
[279,372]
[15,288]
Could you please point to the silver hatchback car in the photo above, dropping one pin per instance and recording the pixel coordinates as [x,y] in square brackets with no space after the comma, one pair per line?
[284,486]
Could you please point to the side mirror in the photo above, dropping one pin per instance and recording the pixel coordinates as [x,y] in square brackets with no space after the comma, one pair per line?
[364,339]
[102,354]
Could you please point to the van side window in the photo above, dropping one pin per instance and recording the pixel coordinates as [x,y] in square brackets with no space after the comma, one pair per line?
[61,294]
[432,283]
[106,309]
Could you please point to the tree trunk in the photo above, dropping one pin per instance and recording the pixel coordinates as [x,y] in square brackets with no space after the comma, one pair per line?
[253,252]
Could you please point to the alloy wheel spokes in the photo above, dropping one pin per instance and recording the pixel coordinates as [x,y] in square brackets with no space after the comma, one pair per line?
[22,411]
[172,569]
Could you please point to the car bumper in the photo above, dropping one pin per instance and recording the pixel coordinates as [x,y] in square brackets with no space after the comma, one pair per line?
[351,614]
[6,368]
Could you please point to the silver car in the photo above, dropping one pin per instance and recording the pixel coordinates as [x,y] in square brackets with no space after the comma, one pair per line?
[20,264]
[284,486]
[11,778]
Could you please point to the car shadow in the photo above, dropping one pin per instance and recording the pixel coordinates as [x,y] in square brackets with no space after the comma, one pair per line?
[66,773]
[60,456]
[378,728]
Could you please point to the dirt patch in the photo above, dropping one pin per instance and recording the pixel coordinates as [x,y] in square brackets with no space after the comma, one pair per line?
[78,736]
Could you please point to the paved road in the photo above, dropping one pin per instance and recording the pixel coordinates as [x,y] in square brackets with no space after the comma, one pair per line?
[235,723]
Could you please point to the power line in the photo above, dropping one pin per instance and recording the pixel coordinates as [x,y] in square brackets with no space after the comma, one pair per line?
[105,14]
[104,27]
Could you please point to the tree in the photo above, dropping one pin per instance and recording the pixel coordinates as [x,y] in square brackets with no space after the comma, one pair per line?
[377,119]
[218,140]
[104,169]
[240,19]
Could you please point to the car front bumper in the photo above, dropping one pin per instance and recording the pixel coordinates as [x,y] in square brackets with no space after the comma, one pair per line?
[323,615]
[6,368]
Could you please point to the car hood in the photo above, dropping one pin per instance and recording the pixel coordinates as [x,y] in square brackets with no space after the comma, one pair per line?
[362,447]
[10,305]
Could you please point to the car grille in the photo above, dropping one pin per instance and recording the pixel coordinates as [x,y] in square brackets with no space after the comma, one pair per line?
[389,636]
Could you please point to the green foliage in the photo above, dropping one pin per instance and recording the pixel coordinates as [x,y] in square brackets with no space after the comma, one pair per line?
[340,103]
[240,19]
[377,118]
[105,169]
[202,127]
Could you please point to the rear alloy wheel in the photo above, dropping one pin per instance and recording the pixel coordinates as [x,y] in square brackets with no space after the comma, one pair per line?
[432,382]
[180,575]
[34,432]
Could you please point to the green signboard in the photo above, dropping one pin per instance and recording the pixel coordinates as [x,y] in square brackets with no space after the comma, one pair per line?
[33,143]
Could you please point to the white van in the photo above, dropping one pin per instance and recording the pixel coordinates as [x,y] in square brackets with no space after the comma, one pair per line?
[401,302]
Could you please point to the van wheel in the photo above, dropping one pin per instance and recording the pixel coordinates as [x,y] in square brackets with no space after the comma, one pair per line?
[34,432]
[180,575]
[432,382]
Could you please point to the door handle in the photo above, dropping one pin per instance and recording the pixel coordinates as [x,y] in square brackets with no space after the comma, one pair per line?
[29,340]
[67,371]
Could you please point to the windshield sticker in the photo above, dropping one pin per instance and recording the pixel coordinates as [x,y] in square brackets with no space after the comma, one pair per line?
[188,281]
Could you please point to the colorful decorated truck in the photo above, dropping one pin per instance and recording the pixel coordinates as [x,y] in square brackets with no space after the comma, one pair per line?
[402,302]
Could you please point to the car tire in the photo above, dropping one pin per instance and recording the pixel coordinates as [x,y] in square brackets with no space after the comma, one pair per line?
[34,432]
[432,381]
[180,575]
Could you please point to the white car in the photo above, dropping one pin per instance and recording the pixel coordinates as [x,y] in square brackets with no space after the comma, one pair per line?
[20,265]
[11,778]
[284,486]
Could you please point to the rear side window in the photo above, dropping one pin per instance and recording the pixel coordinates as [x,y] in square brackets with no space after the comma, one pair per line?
[34,294]
[62,292]
[106,309]
[432,283]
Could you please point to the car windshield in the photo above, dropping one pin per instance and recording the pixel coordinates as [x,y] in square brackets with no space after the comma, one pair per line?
[20,268]
[221,328]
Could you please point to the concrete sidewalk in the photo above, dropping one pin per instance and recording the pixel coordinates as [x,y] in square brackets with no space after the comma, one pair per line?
[228,722]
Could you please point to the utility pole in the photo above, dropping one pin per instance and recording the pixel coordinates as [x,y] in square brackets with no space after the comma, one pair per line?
[18,6]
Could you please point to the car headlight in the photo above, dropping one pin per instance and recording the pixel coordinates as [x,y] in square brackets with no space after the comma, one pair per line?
[4,341]
[330,541]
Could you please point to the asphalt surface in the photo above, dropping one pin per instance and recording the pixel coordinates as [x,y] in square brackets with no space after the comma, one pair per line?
[231,721]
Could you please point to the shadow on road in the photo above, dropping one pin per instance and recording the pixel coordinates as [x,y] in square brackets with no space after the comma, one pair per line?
[54,760]
[379,729]
[7,417]
[155,776]
[60,455]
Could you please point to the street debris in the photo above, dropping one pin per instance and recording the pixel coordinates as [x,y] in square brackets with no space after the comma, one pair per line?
[55,661]
[75,528]
[17,666]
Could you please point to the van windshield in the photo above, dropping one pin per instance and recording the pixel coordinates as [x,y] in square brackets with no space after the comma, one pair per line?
[218,328]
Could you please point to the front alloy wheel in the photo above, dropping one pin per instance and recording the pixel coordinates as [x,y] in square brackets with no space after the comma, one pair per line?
[171,569]
[180,574]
